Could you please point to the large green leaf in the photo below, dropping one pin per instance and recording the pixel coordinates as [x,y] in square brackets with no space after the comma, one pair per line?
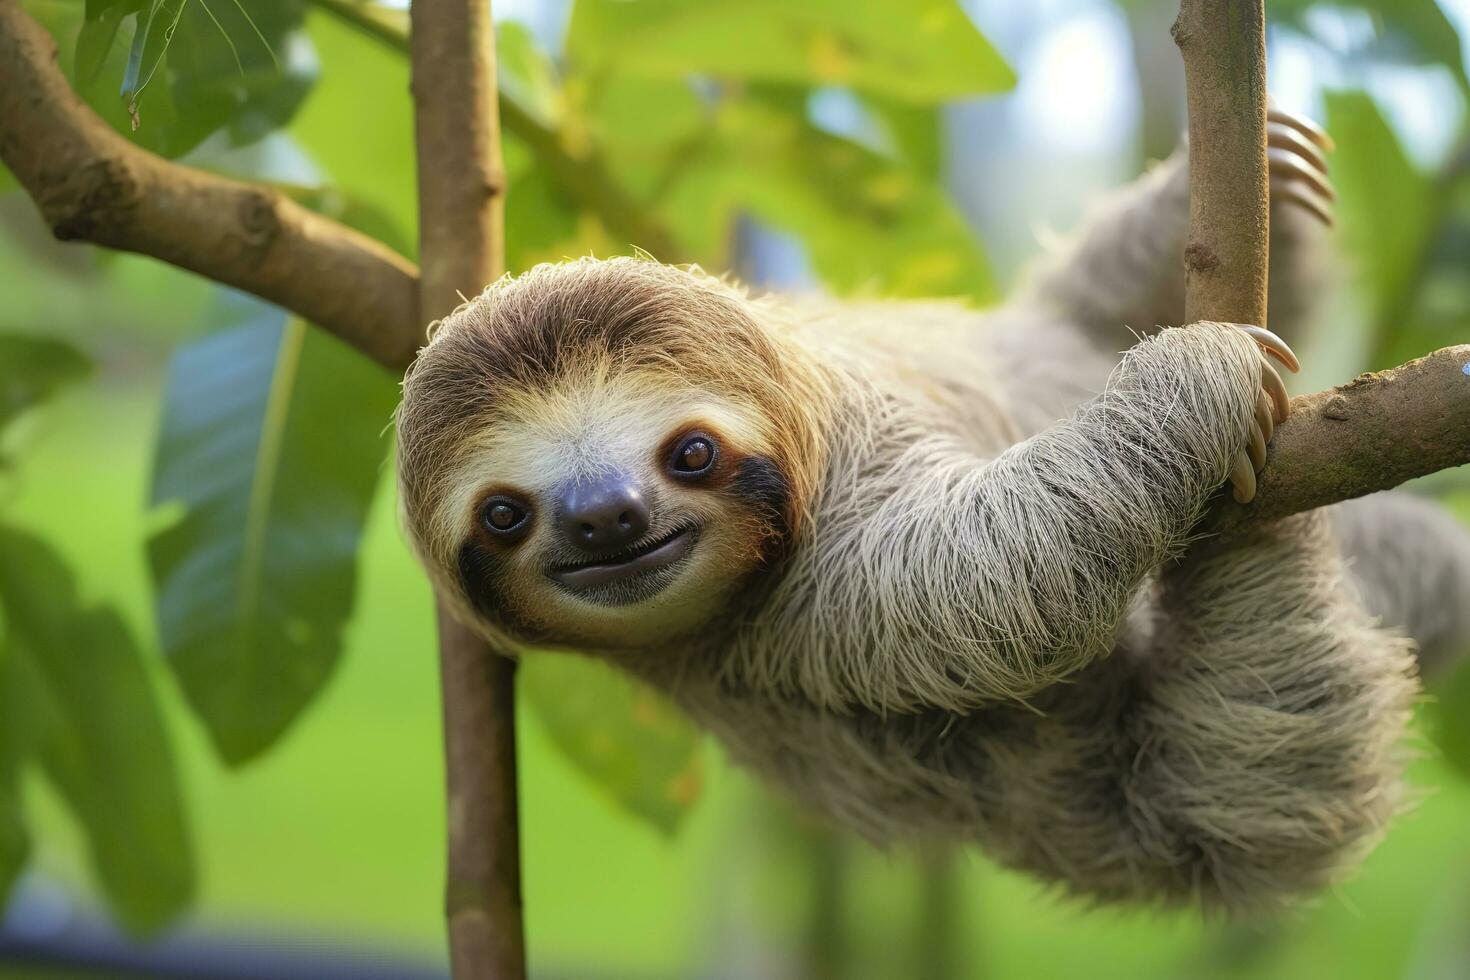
[271,444]
[32,369]
[172,72]
[78,697]
[1387,212]
[911,50]
[633,744]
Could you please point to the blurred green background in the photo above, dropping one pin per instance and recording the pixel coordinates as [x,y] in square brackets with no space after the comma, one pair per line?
[219,732]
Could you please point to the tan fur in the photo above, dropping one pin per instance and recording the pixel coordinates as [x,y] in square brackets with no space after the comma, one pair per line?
[982,619]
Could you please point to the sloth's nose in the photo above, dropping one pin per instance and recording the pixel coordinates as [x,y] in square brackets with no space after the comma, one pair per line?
[603,514]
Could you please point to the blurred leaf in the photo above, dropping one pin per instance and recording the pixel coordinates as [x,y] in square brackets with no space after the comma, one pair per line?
[1411,31]
[98,31]
[871,224]
[1386,210]
[633,744]
[202,66]
[1449,717]
[15,842]
[354,212]
[32,369]
[358,124]
[272,442]
[80,697]
[911,50]
[526,73]
[916,133]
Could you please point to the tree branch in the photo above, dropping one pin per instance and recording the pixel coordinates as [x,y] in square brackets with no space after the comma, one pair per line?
[1223,43]
[92,184]
[461,236]
[1370,434]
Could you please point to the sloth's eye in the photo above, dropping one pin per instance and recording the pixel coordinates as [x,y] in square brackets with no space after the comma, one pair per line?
[694,456]
[504,516]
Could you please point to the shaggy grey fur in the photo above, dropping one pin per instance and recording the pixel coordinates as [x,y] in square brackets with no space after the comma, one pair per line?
[989,624]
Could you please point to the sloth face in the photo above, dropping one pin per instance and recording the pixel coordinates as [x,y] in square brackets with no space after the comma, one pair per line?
[601,453]
[614,515]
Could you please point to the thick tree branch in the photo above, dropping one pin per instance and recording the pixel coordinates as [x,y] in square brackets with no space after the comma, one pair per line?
[461,243]
[92,184]
[1370,434]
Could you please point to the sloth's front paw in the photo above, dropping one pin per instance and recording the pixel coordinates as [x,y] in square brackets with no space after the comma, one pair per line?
[1272,406]
[1298,165]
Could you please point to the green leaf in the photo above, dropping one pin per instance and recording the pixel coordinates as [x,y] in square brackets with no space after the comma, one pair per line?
[1386,210]
[98,31]
[1448,715]
[32,369]
[189,68]
[271,444]
[636,747]
[526,72]
[1407,31]
[77,692]
[15,842]
[870,224]
[911,50]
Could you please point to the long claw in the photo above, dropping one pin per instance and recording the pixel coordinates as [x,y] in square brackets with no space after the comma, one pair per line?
[1291,166]
[1285,137]
[1243,479]
[1276,389]
[1295,192]
[1273,345]
[1264,421]
[1257,447]
[1302,125]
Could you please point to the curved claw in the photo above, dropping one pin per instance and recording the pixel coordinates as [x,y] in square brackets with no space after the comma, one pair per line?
[1264,422]
[1257,447]
[1272,345]
[1243,479]
[1302,125]
[1295,192]
[1285,163]
[1271,381]
[1284,137]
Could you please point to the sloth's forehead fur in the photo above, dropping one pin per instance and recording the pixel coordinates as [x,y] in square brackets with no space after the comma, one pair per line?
[585,364]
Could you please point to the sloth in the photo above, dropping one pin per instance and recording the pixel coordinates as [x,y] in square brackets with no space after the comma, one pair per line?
[934,572]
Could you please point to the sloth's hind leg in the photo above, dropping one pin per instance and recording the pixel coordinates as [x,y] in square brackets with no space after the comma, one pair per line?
[1271,716]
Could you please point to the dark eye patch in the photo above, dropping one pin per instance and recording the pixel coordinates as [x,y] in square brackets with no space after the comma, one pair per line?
[761,483]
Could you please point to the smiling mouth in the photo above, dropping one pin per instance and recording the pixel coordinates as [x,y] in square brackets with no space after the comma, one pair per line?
[634,563]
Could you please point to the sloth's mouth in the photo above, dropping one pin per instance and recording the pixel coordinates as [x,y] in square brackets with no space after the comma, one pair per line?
[638,562]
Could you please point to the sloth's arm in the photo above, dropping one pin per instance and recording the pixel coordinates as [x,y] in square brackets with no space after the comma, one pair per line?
[968,582]
[1122,273]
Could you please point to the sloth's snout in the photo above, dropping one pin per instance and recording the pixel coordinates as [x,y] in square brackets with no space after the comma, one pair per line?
[603,514]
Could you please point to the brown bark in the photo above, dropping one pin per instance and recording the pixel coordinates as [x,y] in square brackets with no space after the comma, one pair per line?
[92,184]
[461,247]
[1223,43]
[1370,434]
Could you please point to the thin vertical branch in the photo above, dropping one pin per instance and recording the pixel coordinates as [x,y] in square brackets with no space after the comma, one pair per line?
[1223,43]
[462,247]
